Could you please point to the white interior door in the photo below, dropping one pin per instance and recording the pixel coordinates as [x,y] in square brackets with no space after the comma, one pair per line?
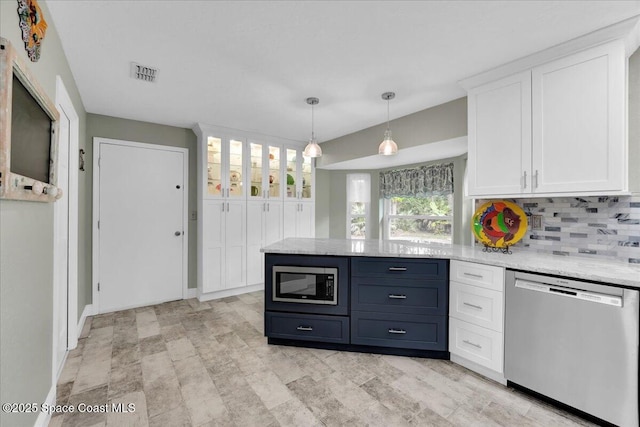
[61,265]
[142,227]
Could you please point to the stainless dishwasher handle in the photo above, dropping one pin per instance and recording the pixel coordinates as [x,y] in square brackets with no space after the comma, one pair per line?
[305,328]
[397,331]
[394,296]
[472,344]
[477,276]
[472,305]
[397,268]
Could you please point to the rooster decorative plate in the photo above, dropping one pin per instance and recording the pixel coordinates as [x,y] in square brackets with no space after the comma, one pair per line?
[499,224]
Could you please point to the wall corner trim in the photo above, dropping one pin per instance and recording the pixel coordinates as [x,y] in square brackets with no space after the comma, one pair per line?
[88,311]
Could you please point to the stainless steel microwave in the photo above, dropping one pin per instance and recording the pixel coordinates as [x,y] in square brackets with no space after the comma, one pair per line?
[311,285]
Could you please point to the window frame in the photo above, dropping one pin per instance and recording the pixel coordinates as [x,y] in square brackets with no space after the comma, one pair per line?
[387,216]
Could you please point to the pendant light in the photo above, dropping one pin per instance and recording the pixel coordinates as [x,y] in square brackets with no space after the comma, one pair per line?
[312,149]
[388,147]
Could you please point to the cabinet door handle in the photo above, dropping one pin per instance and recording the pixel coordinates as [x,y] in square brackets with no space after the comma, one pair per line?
[397,331]
[397,268]
[472,344]
[477,276]
[394,296]
[222,206]
[472,305]
[525,180]
[263,207]
[267,207]
[305,328]
[536,178]
[227,206]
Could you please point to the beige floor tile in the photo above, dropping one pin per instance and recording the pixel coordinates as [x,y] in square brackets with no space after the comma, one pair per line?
[269,389]
[180,349]
[191,363]
[91,375]
[129,410]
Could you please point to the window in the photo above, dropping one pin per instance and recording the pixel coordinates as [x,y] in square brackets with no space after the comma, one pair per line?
[418,203]
[419,219]
[358,202]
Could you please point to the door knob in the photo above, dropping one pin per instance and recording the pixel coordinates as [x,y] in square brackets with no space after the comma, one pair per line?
[177,233]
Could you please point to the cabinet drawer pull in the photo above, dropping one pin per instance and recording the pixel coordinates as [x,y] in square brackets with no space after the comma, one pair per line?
[472,305]
[397,331]
[397,268]
[477,276]
[394,296]
[305,328]
[472,344]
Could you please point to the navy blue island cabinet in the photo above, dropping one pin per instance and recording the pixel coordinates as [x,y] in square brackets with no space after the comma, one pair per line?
[372,304]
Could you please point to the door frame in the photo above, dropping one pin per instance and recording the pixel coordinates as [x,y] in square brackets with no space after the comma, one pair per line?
[63,102]
[95,276]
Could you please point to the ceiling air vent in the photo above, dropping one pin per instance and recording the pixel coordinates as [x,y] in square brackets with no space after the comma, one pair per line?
[143,72]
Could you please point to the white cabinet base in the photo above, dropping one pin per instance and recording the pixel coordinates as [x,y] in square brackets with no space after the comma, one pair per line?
[485,372]
[229,292]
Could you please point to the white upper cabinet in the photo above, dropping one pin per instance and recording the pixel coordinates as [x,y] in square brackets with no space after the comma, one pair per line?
[500,136]
[554,129]
[579,140]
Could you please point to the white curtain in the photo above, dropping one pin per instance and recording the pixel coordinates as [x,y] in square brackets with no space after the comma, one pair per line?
[358,188]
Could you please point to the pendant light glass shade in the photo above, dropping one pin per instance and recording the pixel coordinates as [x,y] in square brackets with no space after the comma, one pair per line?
[313,148]
[388,147]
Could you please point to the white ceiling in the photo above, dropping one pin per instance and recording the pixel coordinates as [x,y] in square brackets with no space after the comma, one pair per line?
[250,65]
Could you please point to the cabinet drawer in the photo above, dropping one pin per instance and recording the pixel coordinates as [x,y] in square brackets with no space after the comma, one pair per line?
[399,267]
[480,345]
[480,306]
[485,276]
[307,327]
[399,330]
[399,296]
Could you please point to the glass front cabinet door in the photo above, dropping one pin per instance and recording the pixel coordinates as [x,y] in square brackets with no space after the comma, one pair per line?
[264,169]
[299,175]
[225,168]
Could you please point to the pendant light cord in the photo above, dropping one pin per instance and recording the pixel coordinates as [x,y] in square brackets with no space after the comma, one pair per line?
[312,132]
[387,113]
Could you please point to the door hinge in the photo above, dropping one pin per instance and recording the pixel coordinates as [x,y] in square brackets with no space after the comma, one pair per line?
[98,286]
[99,161]
[98,224]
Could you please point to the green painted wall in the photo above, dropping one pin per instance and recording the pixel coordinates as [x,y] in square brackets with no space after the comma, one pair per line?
[151,133]
[26,251]
[439,123]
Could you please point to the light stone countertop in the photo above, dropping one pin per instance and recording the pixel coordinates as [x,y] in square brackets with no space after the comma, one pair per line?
[612,272]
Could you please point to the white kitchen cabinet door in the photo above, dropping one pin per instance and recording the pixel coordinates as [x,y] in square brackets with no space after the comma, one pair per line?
[255,241]
[500,136]
[298,219]
[224,245]
[235,244]
[578,122]
[213,217]
[305,221]
[264,225]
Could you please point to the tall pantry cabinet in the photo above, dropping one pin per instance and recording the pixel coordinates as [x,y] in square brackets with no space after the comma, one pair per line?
[248,185]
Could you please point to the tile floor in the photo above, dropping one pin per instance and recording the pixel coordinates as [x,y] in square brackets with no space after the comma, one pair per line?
[188,363]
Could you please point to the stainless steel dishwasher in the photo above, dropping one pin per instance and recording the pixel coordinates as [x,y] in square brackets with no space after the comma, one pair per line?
[575,342]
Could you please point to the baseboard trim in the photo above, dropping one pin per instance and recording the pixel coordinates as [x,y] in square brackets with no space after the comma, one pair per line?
[229,292]
[192,293]
[44,417]
[88,311]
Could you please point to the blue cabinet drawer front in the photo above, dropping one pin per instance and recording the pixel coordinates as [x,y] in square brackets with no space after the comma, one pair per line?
[399,267]
[399,296]
[401,331]
[307,327]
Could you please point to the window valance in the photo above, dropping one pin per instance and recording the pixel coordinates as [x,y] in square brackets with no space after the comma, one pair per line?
[421,181]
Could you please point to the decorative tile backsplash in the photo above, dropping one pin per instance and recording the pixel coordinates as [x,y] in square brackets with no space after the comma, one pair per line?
[601,227]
